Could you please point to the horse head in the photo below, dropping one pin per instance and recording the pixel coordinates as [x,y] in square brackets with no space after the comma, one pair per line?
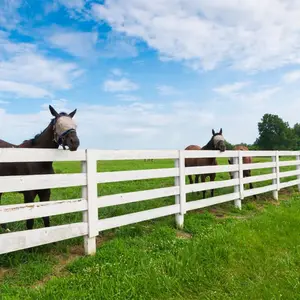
[64,129]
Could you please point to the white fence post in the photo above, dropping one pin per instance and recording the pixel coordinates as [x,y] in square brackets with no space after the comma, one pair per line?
[298,168]
[180,181]
[241,176]
[92,212]
[275,158]
[237,202]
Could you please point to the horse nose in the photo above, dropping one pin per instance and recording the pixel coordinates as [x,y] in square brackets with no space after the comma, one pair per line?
[74,142]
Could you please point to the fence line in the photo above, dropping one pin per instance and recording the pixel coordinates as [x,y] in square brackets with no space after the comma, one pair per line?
[90,180]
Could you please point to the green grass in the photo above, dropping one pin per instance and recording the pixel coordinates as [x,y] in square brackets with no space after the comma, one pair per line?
[222,253]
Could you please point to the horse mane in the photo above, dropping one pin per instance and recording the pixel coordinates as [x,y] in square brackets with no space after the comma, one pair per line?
[33,141]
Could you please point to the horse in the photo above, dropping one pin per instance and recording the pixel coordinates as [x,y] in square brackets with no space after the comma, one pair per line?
[61,131]
[246,160]
[217,142]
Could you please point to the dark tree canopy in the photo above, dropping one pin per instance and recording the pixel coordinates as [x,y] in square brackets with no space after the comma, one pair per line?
[297,134]
[275,134]
[228,145]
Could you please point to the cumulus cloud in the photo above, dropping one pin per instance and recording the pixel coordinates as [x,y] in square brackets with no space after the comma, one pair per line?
[206,34]
[35,68]
[25,71]
[291,77]
[77,43]
[73,4]
[172,125]
[121,85]
[9,16]
[232,88]
[23,90]
[128,126]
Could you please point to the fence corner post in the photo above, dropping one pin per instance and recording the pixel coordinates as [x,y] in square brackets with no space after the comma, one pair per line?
[180,181]
[298,169]
[90,193]
[236,175]
[276,180]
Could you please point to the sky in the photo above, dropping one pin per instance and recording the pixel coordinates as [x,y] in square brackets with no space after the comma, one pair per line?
[157,74]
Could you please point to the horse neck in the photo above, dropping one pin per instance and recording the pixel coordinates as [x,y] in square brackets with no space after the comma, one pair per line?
[208,146]
[44,140]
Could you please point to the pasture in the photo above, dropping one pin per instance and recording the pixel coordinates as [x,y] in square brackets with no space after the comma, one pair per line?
[221,253]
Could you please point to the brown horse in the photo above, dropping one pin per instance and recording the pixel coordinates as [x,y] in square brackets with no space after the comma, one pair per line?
[246,160]
[217,142]
[60,131]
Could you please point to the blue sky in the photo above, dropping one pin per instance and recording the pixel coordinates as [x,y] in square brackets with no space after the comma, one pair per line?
[148,74]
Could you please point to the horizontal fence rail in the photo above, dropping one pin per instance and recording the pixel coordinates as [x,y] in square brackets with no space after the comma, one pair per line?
[90,203]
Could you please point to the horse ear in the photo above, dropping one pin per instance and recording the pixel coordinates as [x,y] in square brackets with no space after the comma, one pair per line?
[213,132]
[221,130]
[54,113]
[72,114]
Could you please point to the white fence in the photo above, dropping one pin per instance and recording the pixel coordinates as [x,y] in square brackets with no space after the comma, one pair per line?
[90,202]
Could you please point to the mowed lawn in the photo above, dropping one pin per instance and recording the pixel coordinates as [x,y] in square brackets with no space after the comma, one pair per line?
[222,253]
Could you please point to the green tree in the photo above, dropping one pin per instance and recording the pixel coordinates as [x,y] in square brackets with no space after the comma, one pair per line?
[297,134]
[275,134]
[228,145]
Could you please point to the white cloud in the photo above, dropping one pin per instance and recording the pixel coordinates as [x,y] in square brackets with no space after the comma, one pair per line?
[121,85]
[114,44]
[35,68]
[26,72]
[291,77]
[128,97]
[9,16]
[212,32]
[167,90]
[229,89]
[23,90]
[9,49]
[147,125]
[117,72]
[73,4]
[23,63]
[81,44]
[133,126]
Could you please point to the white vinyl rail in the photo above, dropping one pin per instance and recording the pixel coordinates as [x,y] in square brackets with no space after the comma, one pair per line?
[90,202]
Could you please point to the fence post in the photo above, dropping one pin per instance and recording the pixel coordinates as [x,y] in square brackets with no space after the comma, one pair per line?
[241,175]
[237,202]
[275,158]
[180,181]
[90,192]
[298,168]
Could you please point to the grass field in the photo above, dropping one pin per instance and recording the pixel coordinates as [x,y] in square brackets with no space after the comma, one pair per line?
[222,253]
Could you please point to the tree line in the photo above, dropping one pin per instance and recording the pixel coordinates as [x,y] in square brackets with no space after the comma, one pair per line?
[274,134]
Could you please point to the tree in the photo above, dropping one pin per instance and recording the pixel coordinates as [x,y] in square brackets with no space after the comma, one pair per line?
[297,134]
[228,145]
[275,134]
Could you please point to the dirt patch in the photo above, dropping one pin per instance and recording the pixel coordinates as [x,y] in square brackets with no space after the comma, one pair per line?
[104,238]
[3,272]
[59,269]
[183,235]
[74,252]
